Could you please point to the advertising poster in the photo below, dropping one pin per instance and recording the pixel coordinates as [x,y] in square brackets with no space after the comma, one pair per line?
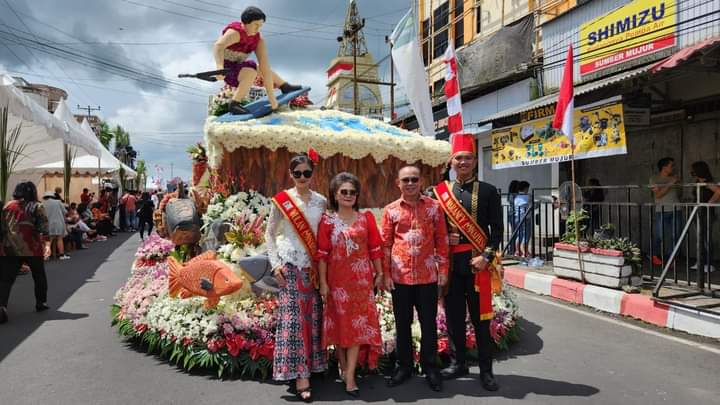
[599,131]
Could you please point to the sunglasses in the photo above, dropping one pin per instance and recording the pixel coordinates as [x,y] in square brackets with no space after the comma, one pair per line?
[410,180]
[306,173]
[346,193]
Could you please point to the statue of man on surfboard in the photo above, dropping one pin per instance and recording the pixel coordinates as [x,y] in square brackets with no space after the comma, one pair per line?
[232,50]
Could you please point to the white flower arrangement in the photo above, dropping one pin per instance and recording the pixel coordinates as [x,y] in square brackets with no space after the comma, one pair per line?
[182,318]
[246,213]
[298,129]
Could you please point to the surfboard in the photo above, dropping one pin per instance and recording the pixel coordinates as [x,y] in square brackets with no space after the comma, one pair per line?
[261,108]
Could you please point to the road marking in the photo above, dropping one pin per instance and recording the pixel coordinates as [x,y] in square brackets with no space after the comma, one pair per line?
[675,339]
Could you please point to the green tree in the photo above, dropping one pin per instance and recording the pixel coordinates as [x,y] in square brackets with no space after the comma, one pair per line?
[122,141]
[106,135]
[141,169]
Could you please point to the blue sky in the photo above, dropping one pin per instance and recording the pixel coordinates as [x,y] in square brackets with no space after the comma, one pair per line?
[161,38]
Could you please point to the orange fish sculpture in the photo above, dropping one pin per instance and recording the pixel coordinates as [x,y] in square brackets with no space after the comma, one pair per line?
[203,276]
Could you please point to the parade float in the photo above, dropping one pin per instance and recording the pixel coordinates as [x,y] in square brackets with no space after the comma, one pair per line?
[236,336]
[200,293]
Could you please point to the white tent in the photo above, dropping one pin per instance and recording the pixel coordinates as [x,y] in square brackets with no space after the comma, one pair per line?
[42,132]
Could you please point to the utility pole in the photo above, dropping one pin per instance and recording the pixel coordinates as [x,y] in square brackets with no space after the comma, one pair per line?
[89,110]
[392,80]
[352,34]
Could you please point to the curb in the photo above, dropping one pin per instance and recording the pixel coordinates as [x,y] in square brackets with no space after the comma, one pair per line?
[637,306]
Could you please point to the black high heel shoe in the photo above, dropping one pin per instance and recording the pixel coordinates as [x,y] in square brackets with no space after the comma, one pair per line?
[355,392]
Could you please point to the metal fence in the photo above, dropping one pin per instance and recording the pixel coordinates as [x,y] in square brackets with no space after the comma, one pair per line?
[677,241]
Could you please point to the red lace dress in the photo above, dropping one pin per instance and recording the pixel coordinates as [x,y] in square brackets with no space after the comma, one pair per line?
[350,316]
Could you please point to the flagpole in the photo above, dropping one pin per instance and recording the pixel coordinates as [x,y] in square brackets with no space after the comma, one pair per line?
[564,121]
[575,214]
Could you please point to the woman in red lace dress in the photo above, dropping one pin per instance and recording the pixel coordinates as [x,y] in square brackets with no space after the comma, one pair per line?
[349,255]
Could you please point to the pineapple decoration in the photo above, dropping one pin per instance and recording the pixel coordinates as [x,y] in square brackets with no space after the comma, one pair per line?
[200,186]
[199,164]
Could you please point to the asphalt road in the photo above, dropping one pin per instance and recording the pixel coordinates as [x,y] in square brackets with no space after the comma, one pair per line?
[71,355]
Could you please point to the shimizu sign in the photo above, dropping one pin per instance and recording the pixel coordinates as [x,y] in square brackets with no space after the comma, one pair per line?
[634,30]
[599,131]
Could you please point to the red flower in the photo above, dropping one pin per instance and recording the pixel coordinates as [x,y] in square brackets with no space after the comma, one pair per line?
[313,155]
[234,345]
[187,341]
[443,345]
[470,341]
[140,328]
[267,350]
[254,352]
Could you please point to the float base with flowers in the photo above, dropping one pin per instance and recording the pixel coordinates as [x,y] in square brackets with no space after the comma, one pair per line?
[237,337]
[256,153]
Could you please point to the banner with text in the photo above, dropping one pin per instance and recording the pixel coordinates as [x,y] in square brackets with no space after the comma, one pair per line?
[599,130]
[636,29]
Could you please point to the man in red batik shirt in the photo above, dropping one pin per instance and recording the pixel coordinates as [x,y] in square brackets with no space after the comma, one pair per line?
[416,249]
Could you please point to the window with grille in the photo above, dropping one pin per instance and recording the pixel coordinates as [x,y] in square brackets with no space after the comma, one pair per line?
[426,41]
[441,19]
[459,18]
[439,88]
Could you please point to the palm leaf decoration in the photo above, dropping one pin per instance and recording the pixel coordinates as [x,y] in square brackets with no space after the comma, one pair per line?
[12,151]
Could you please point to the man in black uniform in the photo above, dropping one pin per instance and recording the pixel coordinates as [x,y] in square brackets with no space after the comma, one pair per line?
[482,201]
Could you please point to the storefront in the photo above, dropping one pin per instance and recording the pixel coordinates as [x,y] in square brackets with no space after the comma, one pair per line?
[661,59]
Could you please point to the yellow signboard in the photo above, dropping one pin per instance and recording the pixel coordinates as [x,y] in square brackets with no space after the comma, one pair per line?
[636,29]
[599,131]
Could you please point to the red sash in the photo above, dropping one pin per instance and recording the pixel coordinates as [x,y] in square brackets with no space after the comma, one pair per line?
[459,216]
[302,227]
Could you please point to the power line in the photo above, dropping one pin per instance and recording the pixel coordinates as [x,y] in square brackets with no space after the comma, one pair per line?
[88,98]
[221,23]
[111,89]
[98,63]
[65,33]
[301,21]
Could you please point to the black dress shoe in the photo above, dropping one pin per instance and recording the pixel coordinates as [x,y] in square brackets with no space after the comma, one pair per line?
[401,375]
[455,371]
[41,307]
[434,380]
[488,381]
[235,108]
[289,88]
[3,315]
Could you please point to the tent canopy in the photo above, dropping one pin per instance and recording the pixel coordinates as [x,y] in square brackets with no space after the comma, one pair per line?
[44,134]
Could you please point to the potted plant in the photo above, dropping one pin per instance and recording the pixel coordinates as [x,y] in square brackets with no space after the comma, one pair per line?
[605,260]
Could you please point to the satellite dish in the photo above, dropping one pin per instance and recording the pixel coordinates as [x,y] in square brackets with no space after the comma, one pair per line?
[565,197]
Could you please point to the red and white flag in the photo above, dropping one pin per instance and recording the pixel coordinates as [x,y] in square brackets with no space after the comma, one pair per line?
[563,119]
[452,92]
[339,69]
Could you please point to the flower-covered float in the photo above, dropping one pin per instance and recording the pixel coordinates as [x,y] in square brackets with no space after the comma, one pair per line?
[236,337]
[239,164]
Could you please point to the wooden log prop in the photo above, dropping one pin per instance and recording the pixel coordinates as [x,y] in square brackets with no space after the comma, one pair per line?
[268,172]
